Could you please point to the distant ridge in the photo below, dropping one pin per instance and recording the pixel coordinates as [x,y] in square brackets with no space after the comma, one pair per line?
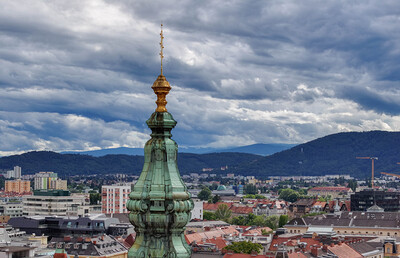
[332,154]
[258,149]
[76,164]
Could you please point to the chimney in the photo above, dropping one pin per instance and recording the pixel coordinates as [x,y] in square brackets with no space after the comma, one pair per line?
[314,251]
[325,248]
[332,244]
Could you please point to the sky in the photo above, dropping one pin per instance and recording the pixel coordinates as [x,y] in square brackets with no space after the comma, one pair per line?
[77,75]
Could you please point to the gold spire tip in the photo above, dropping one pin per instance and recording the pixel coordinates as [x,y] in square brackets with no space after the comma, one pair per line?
[161,86]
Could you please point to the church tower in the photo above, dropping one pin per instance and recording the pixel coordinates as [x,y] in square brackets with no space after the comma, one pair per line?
[159,203]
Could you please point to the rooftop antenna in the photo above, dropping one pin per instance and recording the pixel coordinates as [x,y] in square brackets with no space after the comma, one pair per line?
[162,47]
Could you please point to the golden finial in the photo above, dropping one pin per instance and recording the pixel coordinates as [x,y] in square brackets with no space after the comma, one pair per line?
[161,86]
[162,47]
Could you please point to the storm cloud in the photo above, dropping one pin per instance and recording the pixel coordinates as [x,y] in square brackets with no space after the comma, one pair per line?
[77,75]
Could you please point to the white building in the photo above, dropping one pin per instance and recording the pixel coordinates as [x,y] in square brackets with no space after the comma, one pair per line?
[12,209]
[114,198]
[43,180]
[197,212]
[16,173]
[52,202]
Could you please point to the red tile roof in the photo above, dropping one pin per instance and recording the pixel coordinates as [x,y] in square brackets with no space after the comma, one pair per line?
[219,242]
[242,210]
[199,237]
[214,206]
[296,255]
[343,250]
[330,188]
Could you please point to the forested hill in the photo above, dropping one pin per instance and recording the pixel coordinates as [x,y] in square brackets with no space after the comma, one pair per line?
[333,154]
[72,164]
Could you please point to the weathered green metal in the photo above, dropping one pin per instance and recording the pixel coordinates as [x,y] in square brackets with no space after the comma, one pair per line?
[159,203]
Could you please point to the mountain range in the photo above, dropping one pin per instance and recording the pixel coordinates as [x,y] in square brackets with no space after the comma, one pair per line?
[332,154]
[258,149]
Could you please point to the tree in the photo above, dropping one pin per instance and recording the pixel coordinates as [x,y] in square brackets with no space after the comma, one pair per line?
[223,212]
[239,220]
[216,198]
[283,219]
[249,220]
[95,198]
[208,215]
[244,247]
[352,184]
[289,195]
[250,189]
[272,222]
[259,221]
[214,186]
[204,194]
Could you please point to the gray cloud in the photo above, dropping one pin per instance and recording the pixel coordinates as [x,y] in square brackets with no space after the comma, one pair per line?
[242,72]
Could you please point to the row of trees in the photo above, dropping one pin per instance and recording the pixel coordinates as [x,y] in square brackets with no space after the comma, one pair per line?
[246,247]
[273,222]
[222,213]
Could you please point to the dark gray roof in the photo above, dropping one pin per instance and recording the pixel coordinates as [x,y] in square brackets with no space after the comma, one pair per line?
[363,247]
[95,246]
[351,219]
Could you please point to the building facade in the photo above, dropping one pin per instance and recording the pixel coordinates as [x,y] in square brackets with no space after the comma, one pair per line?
[16,173]
[49,180]
[197,212]
[114,198]
[11,209]
[43,180]
[51,202]
[17,186]
[333,191]
[389,201]
[351,223]
[58,226]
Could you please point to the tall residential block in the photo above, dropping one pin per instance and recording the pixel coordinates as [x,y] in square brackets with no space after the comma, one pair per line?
[114,198]
[17,186]
[49,180]
[16,173]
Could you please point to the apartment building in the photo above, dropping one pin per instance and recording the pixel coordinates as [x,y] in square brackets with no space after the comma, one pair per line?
[17,186]
[49,180]
[114,198]
[16,173]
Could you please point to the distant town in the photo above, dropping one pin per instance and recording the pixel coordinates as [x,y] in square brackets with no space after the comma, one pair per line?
[306,216]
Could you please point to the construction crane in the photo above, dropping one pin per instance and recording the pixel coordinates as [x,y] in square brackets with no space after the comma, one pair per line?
[390,174]
[372,160]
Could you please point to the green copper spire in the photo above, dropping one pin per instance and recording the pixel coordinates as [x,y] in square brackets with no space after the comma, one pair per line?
[159,203]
